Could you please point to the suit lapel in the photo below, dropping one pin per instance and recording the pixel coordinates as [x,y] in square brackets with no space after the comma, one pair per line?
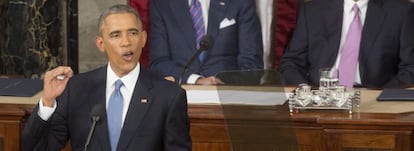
[183,18]
[373,23]
[333,24]
[216,14]
[374,19]
[97,94]
[140,103]
[98,97]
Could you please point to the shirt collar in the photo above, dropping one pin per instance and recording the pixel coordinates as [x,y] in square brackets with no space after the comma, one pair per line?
[129,79]
[362,4]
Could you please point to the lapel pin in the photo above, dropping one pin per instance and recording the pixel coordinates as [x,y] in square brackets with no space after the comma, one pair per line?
[144,101]
[222,3]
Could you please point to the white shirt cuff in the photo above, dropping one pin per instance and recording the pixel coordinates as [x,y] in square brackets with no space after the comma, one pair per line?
[44,111]
[192,79]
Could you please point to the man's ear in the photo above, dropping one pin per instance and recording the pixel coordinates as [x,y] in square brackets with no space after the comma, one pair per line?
[144,38]
[99,43]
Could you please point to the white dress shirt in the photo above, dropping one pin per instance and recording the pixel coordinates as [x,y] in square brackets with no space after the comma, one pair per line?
[127,90]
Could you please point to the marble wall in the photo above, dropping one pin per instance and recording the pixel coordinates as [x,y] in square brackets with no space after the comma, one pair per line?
[32,36]
[37,35]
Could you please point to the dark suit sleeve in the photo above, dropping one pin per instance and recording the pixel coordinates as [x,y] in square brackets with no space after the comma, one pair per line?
[40,135]
[160,58]
[294,64]
[235,47]
[250,37]
[33,132]
[177,137]
[405,75]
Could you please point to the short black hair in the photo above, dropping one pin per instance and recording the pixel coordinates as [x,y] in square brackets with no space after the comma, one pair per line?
[117,9]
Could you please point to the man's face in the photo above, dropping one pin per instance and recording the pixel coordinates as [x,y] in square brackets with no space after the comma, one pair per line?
[122,40]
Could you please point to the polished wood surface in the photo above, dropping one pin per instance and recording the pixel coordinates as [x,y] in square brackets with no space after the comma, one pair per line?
[372,126]
[216,127]
[314,130]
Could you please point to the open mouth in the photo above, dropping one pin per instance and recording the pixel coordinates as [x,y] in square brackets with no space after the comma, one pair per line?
[127,56]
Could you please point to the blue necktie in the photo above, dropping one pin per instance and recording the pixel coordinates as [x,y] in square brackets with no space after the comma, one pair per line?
[198,24]
[115,107]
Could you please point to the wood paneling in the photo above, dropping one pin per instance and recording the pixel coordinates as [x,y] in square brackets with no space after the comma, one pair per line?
[262,128]
[313,130]
[10,125]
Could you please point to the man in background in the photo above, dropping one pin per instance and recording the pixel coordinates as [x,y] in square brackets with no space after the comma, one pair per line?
[371,42]
[178,26]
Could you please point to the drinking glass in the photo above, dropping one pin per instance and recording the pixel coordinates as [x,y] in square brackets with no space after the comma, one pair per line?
[303,94]
[328,78]
[328,81]
[340,96]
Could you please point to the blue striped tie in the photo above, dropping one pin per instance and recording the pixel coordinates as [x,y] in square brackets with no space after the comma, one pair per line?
[198,24]
[115,106]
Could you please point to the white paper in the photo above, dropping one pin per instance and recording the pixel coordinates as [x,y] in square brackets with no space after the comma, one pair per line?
[203,97]
[241,97]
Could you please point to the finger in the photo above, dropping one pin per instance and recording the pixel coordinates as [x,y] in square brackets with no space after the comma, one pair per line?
[62,73]
[66,72]
[218,81]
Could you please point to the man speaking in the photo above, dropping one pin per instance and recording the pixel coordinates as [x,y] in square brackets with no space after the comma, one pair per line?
[134,116]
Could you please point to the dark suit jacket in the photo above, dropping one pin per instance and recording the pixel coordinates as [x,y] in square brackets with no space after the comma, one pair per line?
[386,49]
[172,42]
[160,124]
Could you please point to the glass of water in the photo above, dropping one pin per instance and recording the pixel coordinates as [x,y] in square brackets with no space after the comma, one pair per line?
[328,78]
[303,94]
[328,81]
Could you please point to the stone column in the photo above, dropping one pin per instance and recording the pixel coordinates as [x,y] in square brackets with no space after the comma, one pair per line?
[32,36]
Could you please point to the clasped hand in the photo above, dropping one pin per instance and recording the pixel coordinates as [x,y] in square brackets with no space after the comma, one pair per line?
[54,86]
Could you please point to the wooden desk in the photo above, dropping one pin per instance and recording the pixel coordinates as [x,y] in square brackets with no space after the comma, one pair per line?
[13,112]
[10,125]
[375,126]
[385,126]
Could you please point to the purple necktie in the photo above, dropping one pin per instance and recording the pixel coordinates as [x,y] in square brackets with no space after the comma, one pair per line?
[198,24]
[350,51]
